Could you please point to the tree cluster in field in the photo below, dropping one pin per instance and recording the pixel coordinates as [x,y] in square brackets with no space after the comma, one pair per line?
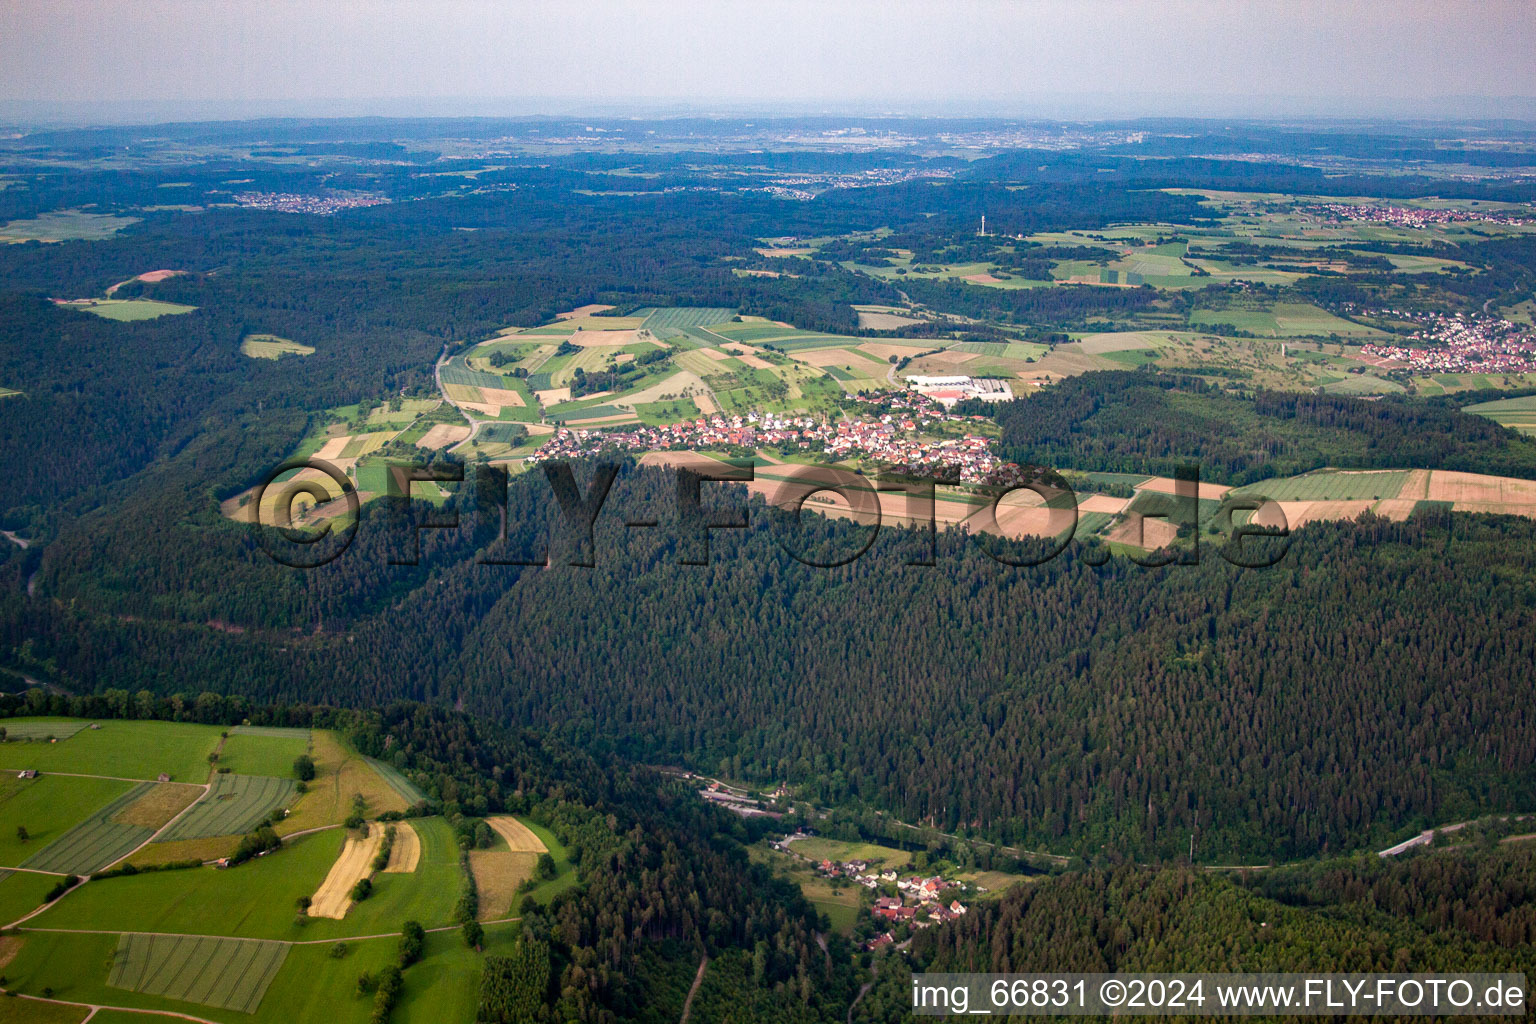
[386,847]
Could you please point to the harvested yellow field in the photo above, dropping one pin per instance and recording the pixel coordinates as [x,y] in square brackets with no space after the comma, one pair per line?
[502,396]
[1103,503]
[1142,532]
[334,897]
[1416,486]
[883,350]
[406,853]
[332,449]
[462,393]
[1167,485]
[553,396]
[159,805]
[581,311]
[520,838]
[824,357]
[706,404]
[282,503]
[607,338]
[1024,520]
[498,873]
[1476,489]
[605,421]
[443,435]
[339,774]
[1300,513]
[884,321]
[1397,509]
[691,460]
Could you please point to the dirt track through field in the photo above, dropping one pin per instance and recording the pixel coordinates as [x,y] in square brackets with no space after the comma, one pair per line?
[406,853]
[334,897]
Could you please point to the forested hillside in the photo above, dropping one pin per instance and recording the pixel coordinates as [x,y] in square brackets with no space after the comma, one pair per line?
[1430,913]
[1133,422]
[1323,704]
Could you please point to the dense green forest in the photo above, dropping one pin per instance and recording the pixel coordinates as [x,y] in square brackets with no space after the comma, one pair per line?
[1428,913]
[1101,709]
[1136,422]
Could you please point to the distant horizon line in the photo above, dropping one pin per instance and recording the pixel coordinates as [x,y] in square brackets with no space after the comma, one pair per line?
[1063,108]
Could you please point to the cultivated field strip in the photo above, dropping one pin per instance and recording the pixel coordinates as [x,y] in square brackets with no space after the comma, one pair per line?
[456,371]
[229,973]
[233,805]
[21,729]
[520,838]
[686,316]
[96,842]
[397,782]
[334,897]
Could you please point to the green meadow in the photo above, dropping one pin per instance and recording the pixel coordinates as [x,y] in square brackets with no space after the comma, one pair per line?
[257,899]
[263,754]
[48,807]
[132,750]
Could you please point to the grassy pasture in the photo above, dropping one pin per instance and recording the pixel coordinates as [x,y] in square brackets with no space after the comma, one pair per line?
[445,985]
[840,852]
[1363,384]
[233,806]
[229,973]
[22,892]
[270,346]
[65,226]
[1515,413]
[263,754]
[47,808]
[75,967]
[1282,320]
[132,750]
[1328,485]
[256,899]
[129,309]
[96,842]
[311,978]
[659,413]
[802,340]
[275,731]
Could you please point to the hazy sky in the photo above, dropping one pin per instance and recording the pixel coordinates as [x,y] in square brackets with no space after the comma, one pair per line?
[1023,55]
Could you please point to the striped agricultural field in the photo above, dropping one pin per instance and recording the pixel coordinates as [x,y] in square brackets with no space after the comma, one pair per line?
[397,782]
[686,316]
[41,729]
[232,974]
[96,842]
[234,804]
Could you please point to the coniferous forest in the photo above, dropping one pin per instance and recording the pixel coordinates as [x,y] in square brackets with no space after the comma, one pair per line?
[1130,726]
